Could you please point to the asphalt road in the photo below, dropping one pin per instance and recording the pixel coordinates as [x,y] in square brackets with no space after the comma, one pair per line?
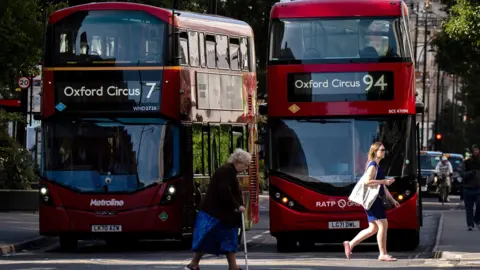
[262,252]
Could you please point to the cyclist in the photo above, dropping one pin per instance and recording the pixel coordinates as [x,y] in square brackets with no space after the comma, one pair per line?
[444,169]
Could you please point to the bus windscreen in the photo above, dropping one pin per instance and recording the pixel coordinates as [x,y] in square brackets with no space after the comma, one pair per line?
[109,37]
[337,40]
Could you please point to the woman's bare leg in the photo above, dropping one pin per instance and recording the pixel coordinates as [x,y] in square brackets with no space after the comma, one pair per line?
[382,236]
[364,234]
[197,256]
[382,240]
[232,261]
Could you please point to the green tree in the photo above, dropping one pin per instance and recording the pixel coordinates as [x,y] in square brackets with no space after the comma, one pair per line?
[17,169]
[21,37]
[458,53]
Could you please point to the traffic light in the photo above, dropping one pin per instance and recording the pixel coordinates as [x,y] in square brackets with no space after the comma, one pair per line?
[438,141]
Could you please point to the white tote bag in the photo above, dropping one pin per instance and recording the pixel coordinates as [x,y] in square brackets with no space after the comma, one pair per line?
[365,195]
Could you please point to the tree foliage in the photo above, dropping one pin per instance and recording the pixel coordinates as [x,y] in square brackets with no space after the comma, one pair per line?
[17,169]
[458,53]
[21,36]
[464,22]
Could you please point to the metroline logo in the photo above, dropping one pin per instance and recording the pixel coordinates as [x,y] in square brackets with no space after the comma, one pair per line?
[111,202]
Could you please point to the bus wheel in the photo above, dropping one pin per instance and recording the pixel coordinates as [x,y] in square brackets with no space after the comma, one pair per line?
[68,243]
[186,242]
[405,241]
[306,245]
[285,244]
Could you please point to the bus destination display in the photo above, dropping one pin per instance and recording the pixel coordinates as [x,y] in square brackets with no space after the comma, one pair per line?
[340,86]
[108,91]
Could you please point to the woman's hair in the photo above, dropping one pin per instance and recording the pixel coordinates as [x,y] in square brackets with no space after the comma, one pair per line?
[373,150]
[240,156]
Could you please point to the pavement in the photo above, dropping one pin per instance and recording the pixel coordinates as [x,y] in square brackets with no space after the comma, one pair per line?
[444,235]
[19,232]
[455,243]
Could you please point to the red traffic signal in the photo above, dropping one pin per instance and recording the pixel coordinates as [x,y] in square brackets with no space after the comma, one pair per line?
[438,136]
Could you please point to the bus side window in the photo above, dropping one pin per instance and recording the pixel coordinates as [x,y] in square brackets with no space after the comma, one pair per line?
[201,44]
[235,54]
[404,33]
[183,48]
[244,52]
[215,147]
[225,142]
[239,138]
[222,52]
[193,48]
[211,54]
[200,150]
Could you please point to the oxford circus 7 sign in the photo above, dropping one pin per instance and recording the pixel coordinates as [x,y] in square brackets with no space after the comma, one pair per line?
[108,91]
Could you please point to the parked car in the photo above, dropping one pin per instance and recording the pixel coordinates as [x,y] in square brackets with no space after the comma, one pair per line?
[428,162]
[458,173]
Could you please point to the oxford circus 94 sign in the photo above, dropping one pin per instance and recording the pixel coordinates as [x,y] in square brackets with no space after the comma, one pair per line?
[115,91]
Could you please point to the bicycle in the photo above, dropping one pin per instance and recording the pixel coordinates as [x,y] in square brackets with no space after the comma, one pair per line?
[443,188]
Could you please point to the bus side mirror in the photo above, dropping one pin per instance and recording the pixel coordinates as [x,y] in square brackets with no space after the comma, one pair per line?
[419,108]
[263,109]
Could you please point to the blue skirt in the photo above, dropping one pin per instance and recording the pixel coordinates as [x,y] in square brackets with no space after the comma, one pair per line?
[377,211]
[211,236]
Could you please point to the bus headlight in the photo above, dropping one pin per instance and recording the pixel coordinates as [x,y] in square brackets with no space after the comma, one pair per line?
[168,195]
[45,196]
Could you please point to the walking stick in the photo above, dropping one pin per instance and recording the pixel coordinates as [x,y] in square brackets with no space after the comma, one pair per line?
[244,241]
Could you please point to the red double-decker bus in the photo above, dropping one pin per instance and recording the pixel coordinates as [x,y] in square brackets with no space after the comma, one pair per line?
[340,76]
[139,108]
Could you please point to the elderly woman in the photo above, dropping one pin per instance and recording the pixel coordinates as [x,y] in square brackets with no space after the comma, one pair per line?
[218,221]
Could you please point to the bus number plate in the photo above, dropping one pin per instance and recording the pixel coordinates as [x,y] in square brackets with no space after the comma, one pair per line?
[106,228]
[344,224]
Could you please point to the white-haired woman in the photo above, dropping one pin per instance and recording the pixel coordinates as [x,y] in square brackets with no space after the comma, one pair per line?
[218,221]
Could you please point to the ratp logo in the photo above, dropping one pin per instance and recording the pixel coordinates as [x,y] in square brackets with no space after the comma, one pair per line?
[111,202]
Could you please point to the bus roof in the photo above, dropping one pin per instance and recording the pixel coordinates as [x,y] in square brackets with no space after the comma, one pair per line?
[184,19]
[337,8]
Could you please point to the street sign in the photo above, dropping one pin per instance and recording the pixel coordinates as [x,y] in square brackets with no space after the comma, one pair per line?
[24,82]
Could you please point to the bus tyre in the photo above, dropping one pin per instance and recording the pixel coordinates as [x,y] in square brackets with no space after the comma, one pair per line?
[285,244]
[405,241]
[306,245]
[187,241]
[68,243]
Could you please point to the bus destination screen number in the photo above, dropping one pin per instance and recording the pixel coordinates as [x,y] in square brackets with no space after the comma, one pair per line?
[340,86]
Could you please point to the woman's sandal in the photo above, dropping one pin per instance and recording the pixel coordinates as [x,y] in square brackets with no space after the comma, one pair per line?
[387,258]
[348,250]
